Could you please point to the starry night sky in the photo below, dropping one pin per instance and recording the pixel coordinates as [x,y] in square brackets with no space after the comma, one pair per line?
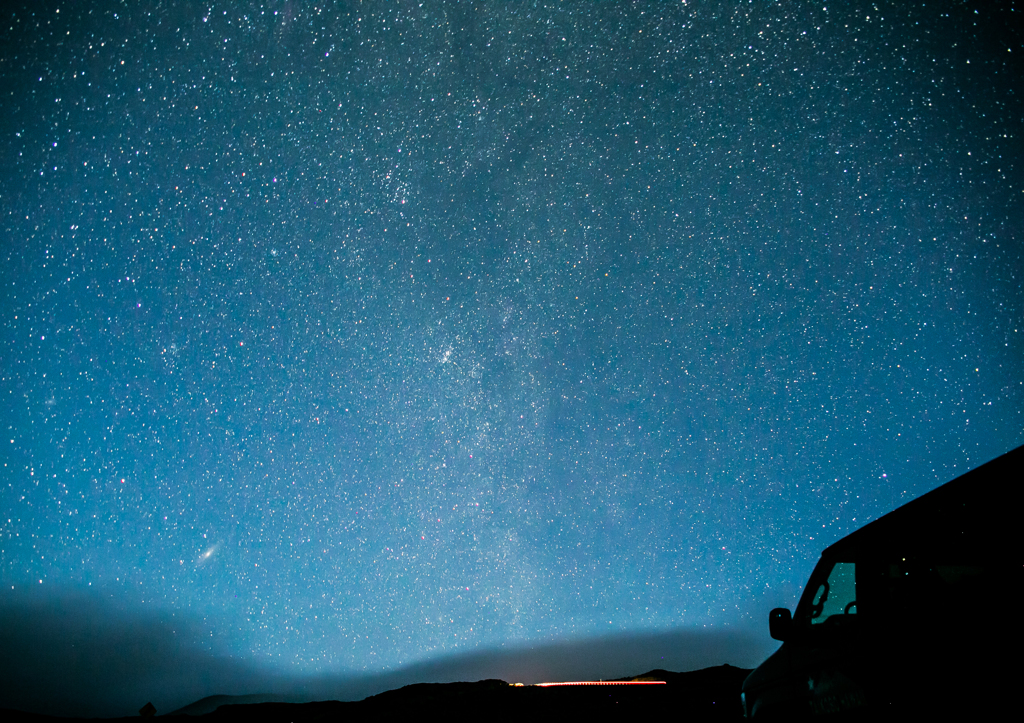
[377,333]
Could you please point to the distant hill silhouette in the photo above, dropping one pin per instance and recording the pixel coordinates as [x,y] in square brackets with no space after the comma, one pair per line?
[212,702]
[711,694]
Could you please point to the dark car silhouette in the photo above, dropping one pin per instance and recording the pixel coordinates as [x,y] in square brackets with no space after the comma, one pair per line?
[914,615]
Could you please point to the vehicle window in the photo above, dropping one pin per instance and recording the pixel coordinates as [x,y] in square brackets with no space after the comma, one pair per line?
[837,595]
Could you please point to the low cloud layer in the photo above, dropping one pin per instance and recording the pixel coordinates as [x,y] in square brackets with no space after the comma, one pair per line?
[594,658]
[86,655]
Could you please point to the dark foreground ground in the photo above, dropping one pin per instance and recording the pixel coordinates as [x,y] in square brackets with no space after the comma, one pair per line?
[712,694]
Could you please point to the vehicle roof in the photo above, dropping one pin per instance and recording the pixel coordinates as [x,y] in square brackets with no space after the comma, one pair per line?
[969,514]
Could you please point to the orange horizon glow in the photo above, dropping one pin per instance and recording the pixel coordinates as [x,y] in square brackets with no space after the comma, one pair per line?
[604,682]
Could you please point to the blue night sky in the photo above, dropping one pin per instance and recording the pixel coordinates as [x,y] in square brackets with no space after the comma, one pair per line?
[366,335]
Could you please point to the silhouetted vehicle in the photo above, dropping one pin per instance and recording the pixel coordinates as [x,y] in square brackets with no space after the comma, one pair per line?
[913,615]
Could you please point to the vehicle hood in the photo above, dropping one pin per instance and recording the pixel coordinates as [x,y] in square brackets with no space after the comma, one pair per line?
[775,667]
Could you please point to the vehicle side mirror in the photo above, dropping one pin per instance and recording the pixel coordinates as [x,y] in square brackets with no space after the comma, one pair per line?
[780,623]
